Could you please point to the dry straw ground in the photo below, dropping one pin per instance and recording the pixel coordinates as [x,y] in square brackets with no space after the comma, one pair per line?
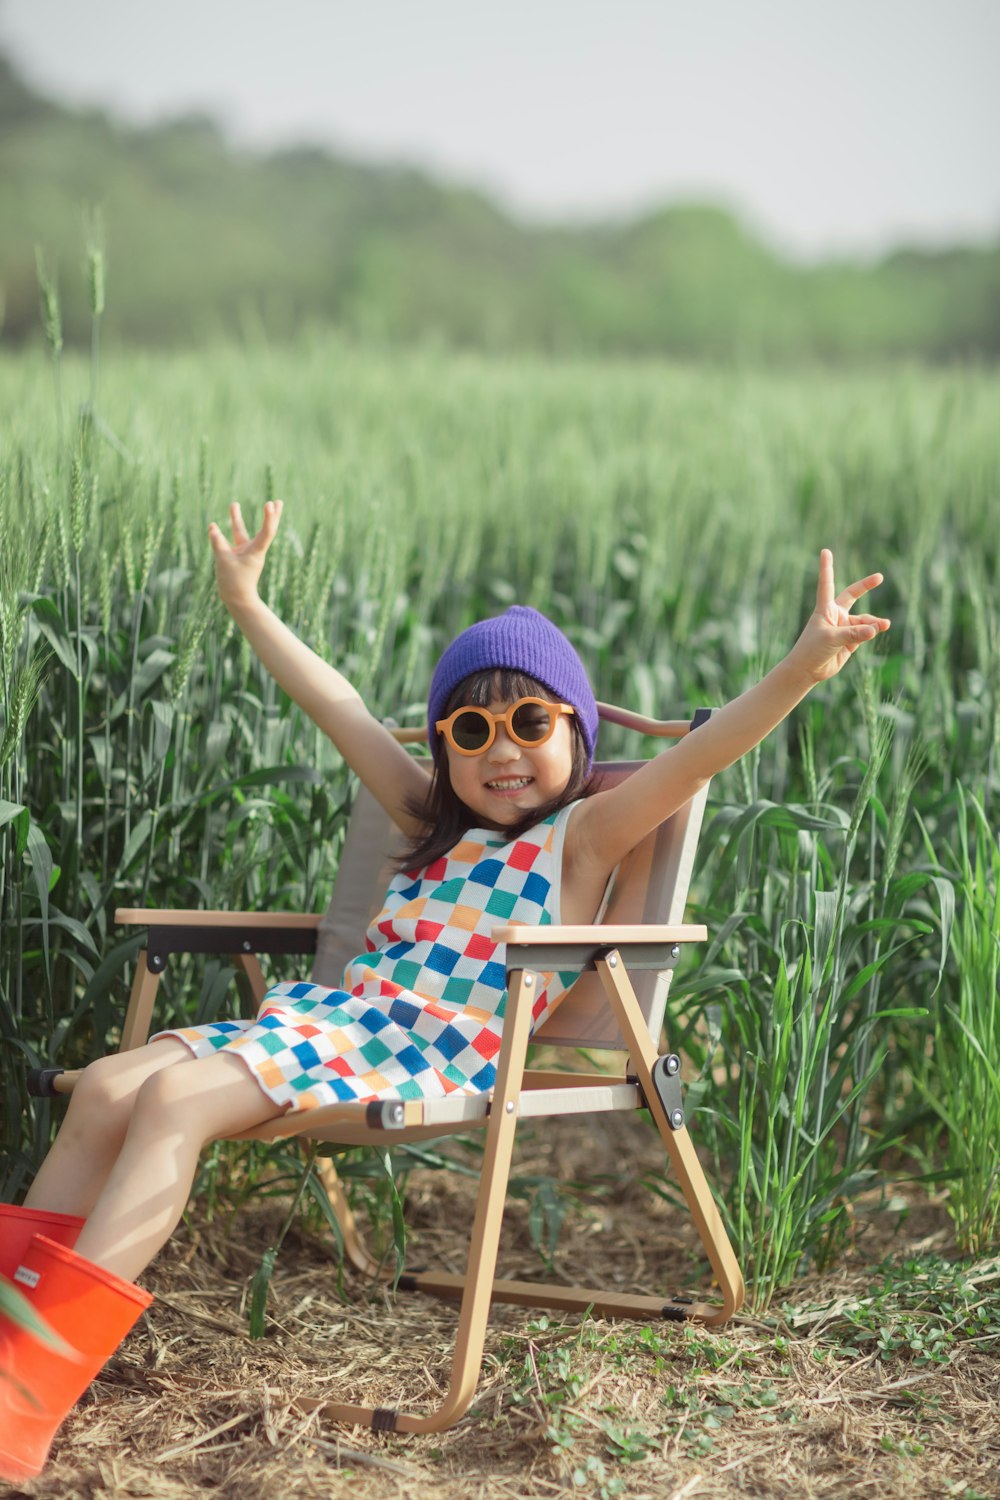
[773,1406]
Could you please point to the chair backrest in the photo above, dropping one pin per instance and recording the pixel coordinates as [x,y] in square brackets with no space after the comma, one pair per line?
[651,885]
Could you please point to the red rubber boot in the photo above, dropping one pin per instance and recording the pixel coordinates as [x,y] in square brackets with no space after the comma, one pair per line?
[87,1306]
[17,1225]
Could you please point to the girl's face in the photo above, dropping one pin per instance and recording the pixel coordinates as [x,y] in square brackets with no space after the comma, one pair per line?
[508,779]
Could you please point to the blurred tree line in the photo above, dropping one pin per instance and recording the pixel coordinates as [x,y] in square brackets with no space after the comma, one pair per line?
[206,240]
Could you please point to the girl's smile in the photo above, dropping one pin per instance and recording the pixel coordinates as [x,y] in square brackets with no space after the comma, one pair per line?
[505,785]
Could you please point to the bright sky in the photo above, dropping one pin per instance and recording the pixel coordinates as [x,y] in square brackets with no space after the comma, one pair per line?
[831,125]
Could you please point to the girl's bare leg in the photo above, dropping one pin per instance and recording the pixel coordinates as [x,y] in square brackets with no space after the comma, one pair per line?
[176,1112]
[82,1155]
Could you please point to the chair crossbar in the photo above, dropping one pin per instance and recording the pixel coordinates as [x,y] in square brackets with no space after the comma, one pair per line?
[570,1299]
[588,1099]
[348,1123]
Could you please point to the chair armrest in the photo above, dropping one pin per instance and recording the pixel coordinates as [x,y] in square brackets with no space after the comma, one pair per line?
[223,932]
[177,916]
[569,949]
[236,935]
[609,936]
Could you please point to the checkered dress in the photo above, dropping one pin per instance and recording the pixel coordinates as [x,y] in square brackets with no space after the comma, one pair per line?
[421,1010]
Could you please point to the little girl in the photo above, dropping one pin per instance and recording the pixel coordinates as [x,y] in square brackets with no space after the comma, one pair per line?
[509,830]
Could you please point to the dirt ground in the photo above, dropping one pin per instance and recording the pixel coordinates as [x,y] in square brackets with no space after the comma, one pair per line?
[767,1406]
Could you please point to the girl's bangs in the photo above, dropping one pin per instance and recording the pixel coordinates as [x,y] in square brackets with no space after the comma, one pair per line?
[506,683]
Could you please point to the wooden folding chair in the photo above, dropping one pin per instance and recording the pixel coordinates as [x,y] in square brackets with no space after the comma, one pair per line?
[624,964]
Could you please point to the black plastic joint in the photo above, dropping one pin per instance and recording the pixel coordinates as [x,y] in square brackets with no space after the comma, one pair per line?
[385,1114]
[407,1283]
[667,1083]
[673,1314]
[156,963]
[384,1419]
[41,1082]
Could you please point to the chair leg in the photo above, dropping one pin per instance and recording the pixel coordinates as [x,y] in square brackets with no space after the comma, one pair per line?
[449,1286]
[355,1249]
[478,1288]
[679,1146]
[250,965]
[484,1242]
[135,1028]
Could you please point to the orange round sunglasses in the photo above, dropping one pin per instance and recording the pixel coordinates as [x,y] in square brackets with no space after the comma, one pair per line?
[528,722]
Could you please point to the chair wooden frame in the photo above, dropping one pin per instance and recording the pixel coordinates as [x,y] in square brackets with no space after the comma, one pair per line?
[606,1011]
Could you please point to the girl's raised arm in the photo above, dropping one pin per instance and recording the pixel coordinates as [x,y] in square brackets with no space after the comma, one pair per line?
[611,823]
[388,772]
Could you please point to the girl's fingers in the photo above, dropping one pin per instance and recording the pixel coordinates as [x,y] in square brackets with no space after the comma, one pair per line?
[824,587]
[269,526]
[856,590]
[879,621]
[239,530]
[856,630]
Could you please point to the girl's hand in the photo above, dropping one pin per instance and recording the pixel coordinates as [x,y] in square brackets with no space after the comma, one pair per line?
[238,567]
[832,634]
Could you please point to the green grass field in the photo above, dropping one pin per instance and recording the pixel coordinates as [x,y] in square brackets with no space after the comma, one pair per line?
[670,519]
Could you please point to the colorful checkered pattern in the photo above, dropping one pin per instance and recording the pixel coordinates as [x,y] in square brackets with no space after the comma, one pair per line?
[421,1010]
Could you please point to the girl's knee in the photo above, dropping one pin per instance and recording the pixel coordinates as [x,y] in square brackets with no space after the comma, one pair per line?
[98,1108]
[173,1098]
[162,1093]
[208,1098]
[99,1085]
[107,1088]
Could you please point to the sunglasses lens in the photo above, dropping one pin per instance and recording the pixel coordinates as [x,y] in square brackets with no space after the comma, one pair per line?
[531,723]
[470,730]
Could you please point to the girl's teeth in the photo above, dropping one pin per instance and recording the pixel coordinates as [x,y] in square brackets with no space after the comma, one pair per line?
[508,786]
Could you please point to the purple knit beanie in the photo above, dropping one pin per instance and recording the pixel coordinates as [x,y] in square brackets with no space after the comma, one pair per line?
[522,640]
